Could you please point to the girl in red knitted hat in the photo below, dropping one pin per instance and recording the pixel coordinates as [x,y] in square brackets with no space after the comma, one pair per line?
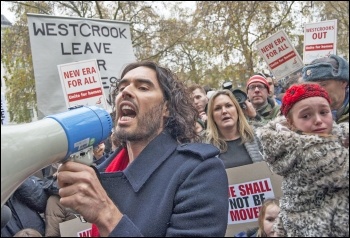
[306,148]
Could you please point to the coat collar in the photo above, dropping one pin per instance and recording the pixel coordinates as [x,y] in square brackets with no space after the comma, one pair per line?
[150,158]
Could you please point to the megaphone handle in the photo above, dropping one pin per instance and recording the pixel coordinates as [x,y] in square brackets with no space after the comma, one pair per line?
[85,156]
[69,210]
[75,213]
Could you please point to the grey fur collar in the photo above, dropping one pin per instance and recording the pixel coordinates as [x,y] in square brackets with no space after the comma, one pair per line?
[282,150]
[315,184]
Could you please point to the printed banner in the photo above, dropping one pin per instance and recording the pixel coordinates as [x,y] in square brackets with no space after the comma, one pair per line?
[60,40]
[249,186]
[280,55]
[245,200]
[75,228]
[81,84]
[320,40]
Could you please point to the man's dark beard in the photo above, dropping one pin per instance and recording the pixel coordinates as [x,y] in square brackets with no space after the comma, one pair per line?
[147,127]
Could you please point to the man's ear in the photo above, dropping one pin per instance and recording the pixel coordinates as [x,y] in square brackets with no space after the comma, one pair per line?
[166,112]
[344,84]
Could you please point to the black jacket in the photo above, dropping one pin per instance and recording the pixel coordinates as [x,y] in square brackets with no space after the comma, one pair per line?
[26,204]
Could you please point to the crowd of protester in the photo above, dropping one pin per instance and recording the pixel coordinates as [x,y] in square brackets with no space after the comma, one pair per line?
[170,164]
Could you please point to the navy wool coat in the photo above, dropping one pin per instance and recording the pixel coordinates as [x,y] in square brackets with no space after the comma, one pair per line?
[170,190]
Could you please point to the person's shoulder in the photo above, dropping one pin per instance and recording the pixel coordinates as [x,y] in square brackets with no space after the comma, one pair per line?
[276,110]
[341,129]
[341,125]
[201,150]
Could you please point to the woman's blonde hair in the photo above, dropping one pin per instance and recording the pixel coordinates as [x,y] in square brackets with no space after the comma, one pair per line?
[213,135]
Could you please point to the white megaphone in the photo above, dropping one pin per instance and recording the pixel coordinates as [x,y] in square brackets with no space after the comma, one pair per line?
[26,148]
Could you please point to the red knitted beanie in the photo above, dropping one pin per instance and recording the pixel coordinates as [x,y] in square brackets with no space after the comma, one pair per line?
[258,79]
[299,92]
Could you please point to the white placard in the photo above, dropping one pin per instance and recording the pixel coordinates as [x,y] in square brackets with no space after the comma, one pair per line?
[249,186]
[81,84]
[245,200]
[61,40]
[280,55]
[320,40]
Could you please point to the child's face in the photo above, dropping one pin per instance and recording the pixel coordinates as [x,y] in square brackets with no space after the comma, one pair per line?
[312,115]
[271,214]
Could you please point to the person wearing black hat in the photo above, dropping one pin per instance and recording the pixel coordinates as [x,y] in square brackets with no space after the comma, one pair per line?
[332,73]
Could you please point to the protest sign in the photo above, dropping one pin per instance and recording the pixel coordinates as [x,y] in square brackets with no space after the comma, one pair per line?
[60,40]
[249,186]
[81,84]
[320,40]
[75,228]
[280,55]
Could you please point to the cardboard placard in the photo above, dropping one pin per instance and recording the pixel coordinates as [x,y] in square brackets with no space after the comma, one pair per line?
[280,55]
[320,40]
[72,39]
[249,186]
[81,84]
[75,228]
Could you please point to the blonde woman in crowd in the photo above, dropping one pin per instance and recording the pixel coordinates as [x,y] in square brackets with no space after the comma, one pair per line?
[229,130]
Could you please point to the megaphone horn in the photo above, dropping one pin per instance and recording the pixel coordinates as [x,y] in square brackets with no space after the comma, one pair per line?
[26,148]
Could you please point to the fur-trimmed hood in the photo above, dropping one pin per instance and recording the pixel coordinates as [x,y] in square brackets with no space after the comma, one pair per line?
[283,149]
[315,184]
